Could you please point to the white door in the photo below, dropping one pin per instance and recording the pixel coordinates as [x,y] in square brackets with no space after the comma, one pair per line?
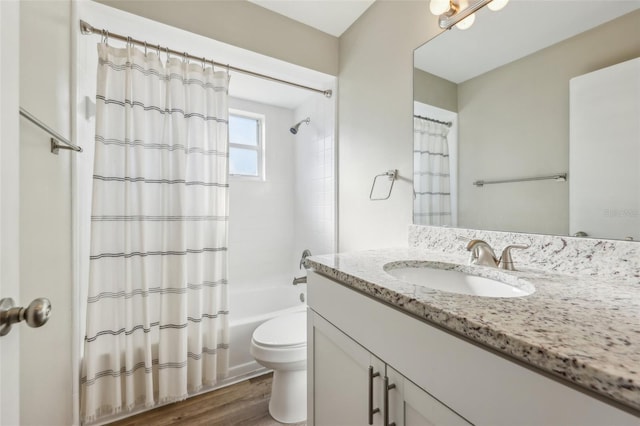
[604,152]
[9,202]
[35,236]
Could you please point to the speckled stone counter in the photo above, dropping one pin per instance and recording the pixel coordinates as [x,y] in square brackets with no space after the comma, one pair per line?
[566,255]
[584,329]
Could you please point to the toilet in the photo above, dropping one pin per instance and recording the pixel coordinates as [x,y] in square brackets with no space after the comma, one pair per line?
[281,345]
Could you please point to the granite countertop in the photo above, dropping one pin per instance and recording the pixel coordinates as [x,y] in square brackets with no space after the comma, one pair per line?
[583,329]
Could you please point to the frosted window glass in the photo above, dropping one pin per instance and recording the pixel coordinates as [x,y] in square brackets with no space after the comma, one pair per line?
[243,130]
[245,145]
[243,162]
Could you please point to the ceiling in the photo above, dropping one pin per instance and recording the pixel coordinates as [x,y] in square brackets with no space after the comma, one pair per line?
[521,28]
[330,16]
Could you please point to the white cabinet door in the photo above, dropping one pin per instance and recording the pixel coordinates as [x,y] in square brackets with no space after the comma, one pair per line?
[412,406]
[341,379]
[343,389]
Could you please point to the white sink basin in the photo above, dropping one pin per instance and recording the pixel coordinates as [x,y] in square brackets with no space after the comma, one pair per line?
[453,281]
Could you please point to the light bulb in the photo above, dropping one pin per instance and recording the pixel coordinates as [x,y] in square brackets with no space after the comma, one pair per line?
[466,22]
[438,7]
[497,4]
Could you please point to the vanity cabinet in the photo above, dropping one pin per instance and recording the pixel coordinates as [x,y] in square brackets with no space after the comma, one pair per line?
[354,387]
[438,378]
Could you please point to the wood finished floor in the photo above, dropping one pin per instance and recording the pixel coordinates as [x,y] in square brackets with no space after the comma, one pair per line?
[243,404]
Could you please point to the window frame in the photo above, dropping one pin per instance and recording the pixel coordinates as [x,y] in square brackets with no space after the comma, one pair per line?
[260,147]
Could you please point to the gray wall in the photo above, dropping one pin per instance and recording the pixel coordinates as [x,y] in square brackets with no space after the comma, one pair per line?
[245,25]
[433,90]
[375,107]
[520,112]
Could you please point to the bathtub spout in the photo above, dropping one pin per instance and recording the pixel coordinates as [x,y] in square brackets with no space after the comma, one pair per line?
[299,280]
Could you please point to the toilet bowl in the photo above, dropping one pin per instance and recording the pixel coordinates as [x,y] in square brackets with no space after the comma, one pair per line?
[281,345]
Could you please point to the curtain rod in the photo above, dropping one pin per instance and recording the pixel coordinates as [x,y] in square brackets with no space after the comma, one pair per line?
[87,29]
[446,123]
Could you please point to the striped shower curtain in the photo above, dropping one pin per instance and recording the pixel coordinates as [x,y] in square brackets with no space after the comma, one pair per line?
[431,178]
[157,314]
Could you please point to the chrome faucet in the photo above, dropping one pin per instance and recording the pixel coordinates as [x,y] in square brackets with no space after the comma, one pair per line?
[482,254]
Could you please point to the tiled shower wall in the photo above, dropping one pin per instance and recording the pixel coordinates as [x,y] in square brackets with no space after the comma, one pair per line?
[261,213]
[314,151]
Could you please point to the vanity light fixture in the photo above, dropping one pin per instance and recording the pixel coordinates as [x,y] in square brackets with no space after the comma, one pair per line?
[438,7]
[496,5]
[461,13]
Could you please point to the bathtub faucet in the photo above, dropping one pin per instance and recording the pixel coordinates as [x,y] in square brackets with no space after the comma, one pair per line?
[299,280]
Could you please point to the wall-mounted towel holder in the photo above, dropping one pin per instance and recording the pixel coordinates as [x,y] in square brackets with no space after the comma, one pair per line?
[56,146]
[561,177]
[391,175]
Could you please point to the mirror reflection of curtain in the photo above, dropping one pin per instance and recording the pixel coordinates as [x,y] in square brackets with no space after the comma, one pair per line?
[432,204]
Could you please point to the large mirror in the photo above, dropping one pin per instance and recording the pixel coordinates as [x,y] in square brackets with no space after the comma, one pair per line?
[529,121]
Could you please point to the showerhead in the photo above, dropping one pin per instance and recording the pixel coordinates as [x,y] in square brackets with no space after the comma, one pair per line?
[294,129]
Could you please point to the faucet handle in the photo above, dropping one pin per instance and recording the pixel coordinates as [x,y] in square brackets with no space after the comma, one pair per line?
[481,253]
[506,262]
[306,253]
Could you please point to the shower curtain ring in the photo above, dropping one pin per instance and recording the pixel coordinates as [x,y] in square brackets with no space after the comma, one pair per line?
[145,48]
[204,62]
[185,58]
[129,44]
[106,37]
[158,51]
[166,49]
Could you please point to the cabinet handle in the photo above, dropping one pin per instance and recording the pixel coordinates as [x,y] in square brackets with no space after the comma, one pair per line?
[387,388]
[372,411]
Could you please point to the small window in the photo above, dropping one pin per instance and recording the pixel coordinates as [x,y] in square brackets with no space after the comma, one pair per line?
[246,145]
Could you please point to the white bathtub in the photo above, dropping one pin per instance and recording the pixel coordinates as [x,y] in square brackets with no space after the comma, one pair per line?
[251,307]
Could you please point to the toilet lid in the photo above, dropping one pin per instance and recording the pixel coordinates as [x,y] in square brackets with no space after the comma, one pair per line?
[285,330]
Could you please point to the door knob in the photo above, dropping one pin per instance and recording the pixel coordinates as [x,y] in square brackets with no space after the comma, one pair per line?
[36,314]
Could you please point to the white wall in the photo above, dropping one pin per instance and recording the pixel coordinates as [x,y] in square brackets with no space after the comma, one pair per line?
[45,213]
[261,213]
[375,109]
[315,183]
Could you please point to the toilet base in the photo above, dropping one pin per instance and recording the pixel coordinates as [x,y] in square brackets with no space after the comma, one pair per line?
[288,403]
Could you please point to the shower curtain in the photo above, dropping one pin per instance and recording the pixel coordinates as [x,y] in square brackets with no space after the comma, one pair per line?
[432,204]
[157,314]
